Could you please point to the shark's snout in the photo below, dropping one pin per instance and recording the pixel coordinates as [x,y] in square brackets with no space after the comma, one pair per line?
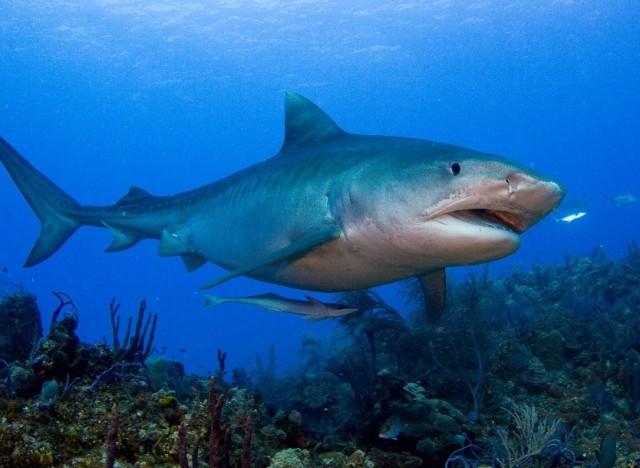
[530,198]
[513,203]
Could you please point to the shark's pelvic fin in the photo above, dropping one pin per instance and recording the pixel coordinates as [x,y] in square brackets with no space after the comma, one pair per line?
[179,243]
[306,124]
[310,240]
[172,244]
[434,289]
[54,208]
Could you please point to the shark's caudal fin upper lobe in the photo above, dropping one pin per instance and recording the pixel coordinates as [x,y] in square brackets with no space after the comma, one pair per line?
[53,206]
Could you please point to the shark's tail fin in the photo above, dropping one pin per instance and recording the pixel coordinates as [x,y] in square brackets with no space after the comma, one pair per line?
[52,205]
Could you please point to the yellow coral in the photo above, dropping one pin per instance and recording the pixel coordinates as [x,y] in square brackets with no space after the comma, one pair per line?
[167,401]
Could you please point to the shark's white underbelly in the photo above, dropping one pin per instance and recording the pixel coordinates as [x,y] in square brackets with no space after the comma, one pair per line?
[369,257]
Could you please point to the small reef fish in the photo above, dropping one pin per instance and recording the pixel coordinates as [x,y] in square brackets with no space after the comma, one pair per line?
[622,199]
[572,217]
[312,309]
[391,428]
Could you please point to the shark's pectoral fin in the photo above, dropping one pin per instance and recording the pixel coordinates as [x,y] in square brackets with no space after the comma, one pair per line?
[296,249]
[434,289]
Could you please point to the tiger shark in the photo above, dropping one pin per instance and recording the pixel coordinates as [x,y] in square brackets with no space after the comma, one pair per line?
[331,211]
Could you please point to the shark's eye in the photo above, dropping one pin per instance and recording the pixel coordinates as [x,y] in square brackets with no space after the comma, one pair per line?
[455,168]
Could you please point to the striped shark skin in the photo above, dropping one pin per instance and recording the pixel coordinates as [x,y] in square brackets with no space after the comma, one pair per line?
[331,211]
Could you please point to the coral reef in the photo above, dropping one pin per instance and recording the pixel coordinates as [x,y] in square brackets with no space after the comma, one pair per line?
[538,367]
[20,325]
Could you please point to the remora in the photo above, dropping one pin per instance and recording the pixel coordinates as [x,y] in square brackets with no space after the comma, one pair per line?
[332,211]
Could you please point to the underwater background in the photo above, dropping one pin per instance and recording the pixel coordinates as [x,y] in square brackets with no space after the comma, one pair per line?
[169,96]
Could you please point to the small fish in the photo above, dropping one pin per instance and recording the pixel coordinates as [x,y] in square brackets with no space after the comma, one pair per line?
[312,308]
[572,217]
[391,428]
[623,199]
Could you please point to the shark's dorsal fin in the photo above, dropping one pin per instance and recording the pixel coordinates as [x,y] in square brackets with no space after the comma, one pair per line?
[135,195]
[306,124]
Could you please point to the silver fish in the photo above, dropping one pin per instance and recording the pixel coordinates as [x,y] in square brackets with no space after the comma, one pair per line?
[572,217]
[312,309]
[391,428]
[623,199]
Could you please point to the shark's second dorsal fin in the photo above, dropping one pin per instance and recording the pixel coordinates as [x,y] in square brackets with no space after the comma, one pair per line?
[135,195]
[305,123]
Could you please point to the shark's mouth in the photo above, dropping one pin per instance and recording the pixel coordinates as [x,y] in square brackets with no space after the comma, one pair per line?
[493,218]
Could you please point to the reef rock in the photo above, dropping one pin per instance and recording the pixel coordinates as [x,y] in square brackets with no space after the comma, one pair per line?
[535,377]
[20,326]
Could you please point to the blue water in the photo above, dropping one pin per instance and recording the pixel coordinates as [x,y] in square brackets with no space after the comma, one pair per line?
[169,95]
